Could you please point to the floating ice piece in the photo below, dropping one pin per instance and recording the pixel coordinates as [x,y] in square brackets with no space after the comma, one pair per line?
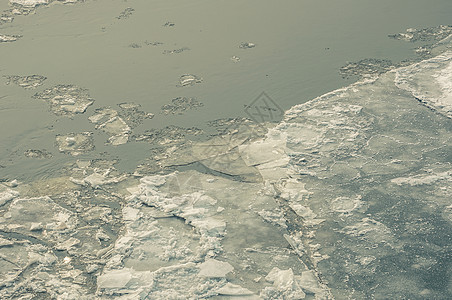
[32,153]
[234,290]
[180,105]
[8,38]
[27,82]
[29,3]
[66,100]
[235,58]
[247,45]
[214,268]
[189,79]
[75,143]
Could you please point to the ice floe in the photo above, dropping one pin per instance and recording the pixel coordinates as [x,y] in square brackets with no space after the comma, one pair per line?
[189,79]
[66,100]
[8,38]
[180,105]
[27,82]
[75,143]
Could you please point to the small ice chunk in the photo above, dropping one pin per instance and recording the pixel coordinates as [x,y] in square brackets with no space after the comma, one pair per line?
[247,45]
[8,38]
[235,58]
[189,79]
[214,268]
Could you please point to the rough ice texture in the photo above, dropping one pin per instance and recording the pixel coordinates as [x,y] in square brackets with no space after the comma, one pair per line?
[430,81]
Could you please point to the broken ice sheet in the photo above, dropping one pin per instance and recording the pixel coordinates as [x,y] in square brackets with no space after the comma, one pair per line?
[66,100]
[180,105]
[75,143]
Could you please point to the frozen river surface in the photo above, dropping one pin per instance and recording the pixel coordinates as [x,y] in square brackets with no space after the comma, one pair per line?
[132,167]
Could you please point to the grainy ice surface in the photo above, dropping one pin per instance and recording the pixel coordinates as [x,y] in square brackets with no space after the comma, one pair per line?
[225,150]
